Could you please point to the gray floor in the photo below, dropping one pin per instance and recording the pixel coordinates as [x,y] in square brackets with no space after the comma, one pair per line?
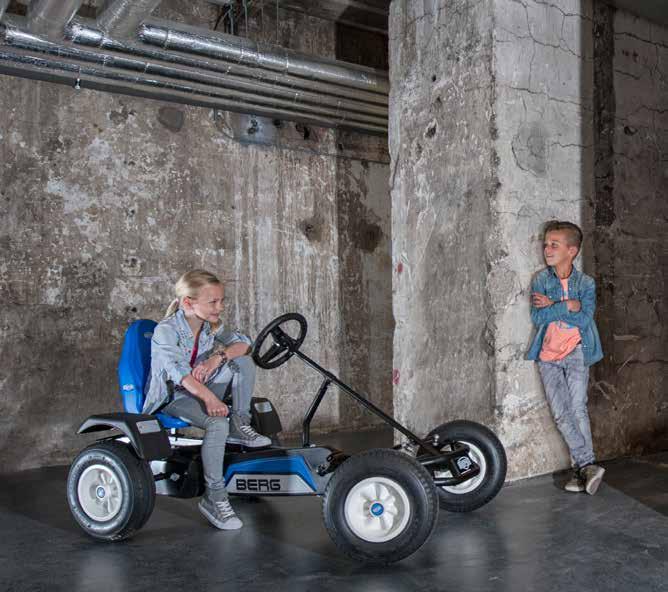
[532,536]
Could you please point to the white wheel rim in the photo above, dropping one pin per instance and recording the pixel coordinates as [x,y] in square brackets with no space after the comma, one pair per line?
[377,509]
[100,493]
[476,455]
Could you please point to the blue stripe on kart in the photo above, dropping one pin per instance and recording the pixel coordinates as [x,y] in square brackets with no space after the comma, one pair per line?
[291,465]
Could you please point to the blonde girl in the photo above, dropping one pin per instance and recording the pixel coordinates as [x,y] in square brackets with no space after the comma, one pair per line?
[191,369]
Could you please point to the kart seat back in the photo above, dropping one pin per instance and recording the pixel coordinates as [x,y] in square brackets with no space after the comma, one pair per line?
[134,367]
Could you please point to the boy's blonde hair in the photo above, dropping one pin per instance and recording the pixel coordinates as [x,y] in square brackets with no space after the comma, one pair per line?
[189,286]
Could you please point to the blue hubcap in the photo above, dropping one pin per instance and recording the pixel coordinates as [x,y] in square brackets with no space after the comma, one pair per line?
[100,492]
[377,509]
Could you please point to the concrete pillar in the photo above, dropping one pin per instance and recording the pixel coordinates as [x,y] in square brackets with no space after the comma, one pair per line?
[489,138]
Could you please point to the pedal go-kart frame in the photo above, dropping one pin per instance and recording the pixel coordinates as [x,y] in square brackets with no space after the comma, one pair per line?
[286,346]
[379,506]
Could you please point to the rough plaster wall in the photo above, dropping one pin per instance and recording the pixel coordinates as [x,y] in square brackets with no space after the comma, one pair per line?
[543,56]
[442,183]
[366,288]
[629,398]
[106,199]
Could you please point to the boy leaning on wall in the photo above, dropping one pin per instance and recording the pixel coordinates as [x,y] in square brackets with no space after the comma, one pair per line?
[563,301]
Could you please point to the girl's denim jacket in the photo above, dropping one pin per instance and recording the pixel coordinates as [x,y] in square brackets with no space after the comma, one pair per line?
[580,287]
[171,349]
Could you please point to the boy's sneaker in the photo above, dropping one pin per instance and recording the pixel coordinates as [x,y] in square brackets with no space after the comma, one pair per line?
[243,434]
[593,475]
[576,483]
[220,514]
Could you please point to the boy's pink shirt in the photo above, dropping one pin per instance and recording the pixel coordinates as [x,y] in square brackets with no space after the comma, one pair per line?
[560,338]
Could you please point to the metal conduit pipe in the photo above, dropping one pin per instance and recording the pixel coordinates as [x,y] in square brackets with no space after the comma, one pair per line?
[270,57]
[197,82]
[121,18]
[19,62]
[83,33]
[272,85]
[49,17]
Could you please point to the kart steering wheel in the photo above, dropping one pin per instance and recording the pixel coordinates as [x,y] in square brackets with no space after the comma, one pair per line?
[284,345]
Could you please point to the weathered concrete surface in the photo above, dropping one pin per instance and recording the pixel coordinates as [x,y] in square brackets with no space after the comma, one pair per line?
[443,179]
[491,135]
[105,200]
[367,324]
[543,56]
[629,399]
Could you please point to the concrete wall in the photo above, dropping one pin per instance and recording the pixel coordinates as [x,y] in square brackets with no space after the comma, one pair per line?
[442,180]
[543,56]
[367,324]
[629,398]
[105,200]
[491,135]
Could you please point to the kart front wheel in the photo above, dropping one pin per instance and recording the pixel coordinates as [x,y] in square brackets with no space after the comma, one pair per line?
[485,450]
[380,506]
[110,491]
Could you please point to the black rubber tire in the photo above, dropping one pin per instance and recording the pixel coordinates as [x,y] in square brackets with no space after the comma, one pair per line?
[136,483]
[413,478]
[495,457]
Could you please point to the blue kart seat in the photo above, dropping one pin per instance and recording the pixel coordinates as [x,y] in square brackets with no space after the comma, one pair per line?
[134,367]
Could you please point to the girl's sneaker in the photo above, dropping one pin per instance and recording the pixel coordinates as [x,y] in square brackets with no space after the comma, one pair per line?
[243,434]
[220,514]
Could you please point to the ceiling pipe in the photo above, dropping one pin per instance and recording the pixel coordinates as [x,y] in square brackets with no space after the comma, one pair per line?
[82,32]
[160,61]
[239,50]
[18,62]
[121,18]
[194,66]
[187,80]
[201,81]
[49,18]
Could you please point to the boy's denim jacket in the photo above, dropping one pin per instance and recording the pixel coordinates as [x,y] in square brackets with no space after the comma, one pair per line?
[580,287]
[171,348]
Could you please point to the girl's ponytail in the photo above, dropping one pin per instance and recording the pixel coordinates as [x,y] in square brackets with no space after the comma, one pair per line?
[172,308]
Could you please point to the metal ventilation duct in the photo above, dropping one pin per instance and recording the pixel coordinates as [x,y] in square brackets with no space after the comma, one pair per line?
[49,17]
[121,18]
[173,62]
[248,53]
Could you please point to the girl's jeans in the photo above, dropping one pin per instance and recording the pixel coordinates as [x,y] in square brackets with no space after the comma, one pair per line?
[565,382]
[241,371]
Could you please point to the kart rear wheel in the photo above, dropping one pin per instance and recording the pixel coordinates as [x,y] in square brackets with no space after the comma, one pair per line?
[110,491]
[485,450]
[380,506]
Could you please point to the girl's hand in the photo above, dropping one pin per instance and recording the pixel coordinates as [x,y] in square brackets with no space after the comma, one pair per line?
[540,300]
[215,407]
[204,370]
[236,350]
[573,305]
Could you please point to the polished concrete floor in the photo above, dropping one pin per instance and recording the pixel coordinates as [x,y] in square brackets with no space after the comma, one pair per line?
[532,537]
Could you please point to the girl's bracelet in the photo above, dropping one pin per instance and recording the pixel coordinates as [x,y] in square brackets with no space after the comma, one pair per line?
[223,359]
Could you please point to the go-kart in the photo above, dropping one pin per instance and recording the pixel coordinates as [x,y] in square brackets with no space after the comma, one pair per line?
[379,506]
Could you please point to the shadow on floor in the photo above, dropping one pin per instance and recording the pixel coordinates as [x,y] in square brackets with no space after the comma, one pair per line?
[644,478]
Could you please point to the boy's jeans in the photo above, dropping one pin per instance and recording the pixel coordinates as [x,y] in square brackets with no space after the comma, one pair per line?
[241,371]
[565,382]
